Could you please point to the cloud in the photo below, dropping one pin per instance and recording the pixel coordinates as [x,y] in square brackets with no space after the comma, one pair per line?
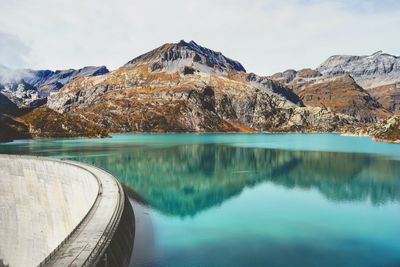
[266,36]
[371,6]
[13,52]
[11,76]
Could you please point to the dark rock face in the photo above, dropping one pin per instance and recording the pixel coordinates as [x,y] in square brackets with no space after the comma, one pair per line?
[188,70]
[277,88]
[6,105]
[172,57]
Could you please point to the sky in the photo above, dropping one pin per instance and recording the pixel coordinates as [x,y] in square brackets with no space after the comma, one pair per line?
[266,36]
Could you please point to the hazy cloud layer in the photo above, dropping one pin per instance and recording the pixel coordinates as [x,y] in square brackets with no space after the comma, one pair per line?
[266,36]
[13,52]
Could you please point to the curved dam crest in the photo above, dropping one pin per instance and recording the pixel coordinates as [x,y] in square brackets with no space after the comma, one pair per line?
[62,213]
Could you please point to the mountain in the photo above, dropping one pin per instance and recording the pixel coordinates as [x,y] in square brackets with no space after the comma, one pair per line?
[378,73]
[185,87]
[371,71]
[30,88]
[54,80]
[175,57]
[44,79]
[339,92]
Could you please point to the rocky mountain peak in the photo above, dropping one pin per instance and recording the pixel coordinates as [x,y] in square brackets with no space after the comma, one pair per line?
[175,56]
[376,64]
[379,73]
[377,53]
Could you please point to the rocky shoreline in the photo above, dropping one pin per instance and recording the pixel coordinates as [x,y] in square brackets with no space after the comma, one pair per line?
[25,134]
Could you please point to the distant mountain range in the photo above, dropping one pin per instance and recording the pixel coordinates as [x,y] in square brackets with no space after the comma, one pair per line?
[184,87]
[30,88]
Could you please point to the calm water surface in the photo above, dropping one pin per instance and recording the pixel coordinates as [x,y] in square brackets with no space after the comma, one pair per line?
[250,199]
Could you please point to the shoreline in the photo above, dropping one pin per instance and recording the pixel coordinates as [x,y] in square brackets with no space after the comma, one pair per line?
[346,134]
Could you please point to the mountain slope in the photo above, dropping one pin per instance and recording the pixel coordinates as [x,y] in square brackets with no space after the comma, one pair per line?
[44,122]
[11,129]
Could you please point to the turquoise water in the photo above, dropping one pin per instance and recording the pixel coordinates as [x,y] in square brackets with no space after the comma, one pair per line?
[250,199]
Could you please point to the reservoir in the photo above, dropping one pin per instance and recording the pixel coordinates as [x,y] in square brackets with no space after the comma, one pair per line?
[249,199]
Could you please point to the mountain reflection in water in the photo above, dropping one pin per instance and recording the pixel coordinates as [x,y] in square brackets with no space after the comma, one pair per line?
[186,179]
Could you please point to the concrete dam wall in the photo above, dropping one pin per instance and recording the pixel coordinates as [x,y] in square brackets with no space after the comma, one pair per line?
[62,213]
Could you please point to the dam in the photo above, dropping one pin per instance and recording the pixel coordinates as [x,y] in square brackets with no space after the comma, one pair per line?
[62,213]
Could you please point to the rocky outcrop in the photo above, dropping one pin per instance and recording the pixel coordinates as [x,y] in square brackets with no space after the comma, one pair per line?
[387,131]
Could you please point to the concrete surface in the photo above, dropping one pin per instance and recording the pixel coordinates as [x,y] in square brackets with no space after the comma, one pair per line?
[56,213]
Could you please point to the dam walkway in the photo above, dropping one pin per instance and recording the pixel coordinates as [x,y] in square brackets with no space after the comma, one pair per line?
[62,213]
[90,239]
